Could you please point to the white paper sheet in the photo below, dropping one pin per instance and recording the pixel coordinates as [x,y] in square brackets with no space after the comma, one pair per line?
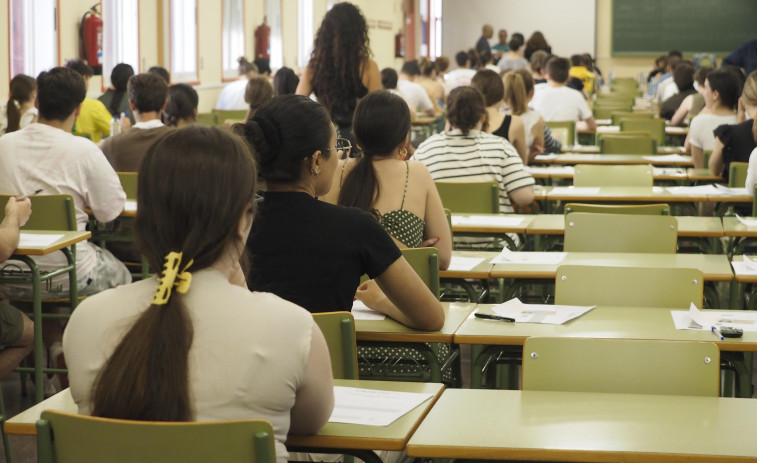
[730,191]
[603,121]
[659,171]
[462,264]
[545,258]
[695,319]
[574,190]
[695,190]
[748,266]
[131,206]
[747,221]
[545,157]
[608,128]
[539,313]
[36,240]
[372,407]
[361,311]
[668,158]
[493,220]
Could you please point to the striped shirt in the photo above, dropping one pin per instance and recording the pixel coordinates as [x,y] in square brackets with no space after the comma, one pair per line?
[476,157]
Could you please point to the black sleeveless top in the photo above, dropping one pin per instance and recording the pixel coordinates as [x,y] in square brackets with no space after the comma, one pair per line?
[504,129]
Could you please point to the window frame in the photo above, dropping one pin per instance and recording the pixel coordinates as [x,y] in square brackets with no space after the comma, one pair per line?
[277,35]
[57,61]
[138,67]
[224,77]
[168,40]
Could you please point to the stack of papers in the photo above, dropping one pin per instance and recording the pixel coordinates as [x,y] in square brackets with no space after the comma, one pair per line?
[668,158]
[695,319]
[532,258]
[748,266]
[372,407]
[37,240]
[575,190]
[493,220]
[361,311]
[462,264]
[539,313]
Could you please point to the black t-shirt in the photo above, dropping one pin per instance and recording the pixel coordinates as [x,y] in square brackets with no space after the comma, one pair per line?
[738,143]
[313,253]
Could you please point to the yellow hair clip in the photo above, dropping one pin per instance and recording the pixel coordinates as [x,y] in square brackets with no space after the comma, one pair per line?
[172,277]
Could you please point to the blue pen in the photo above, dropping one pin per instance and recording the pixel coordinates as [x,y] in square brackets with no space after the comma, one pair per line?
[717,333]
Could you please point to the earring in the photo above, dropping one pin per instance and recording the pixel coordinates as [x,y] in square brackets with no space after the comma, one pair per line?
[315,172]
[403,152]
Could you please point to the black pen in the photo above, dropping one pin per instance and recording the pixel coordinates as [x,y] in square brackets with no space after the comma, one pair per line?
[493,317]
[21,198]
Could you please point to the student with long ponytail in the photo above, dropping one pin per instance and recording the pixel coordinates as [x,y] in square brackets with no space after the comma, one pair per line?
[193,343]
[19,111]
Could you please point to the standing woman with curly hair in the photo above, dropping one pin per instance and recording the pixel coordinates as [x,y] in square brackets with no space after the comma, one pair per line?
[341,70]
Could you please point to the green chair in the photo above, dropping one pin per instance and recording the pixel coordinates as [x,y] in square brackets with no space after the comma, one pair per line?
[209,119]
[620,143]
[339,330]
[230,115]
[586,232]
[66,438]
[51,213]
[737,174]
[655,128]
[564,131]
[605,110]
[637,209]
[623,115]
[129,184]
[672,288]
[621,366]
[588,175]
[471,197]
[425,262]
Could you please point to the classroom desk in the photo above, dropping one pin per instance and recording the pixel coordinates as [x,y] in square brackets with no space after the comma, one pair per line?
[36,278]
[624,194]
[595,427]
[486,223]
[334,437]
[595,158]
[660,174]
[594,149]
[609,128]
[702,175]
[479,272]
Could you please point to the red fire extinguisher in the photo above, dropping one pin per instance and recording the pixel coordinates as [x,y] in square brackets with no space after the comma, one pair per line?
[91,36]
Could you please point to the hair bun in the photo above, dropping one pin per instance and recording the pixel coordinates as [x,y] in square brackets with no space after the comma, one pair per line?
[268,141]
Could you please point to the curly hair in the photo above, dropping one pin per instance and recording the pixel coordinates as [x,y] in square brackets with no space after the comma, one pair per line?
[340,49]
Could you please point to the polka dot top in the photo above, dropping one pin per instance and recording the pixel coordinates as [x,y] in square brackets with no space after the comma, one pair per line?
[402,224]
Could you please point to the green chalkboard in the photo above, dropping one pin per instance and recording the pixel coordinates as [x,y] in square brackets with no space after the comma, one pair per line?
[653,27]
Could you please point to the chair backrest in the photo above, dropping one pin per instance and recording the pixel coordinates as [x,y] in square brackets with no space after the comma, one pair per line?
[605,110]
[621,366]
[339,330]
[623,115]
[208,119]
[129,184]
[66,438]
[587,232]
[674,288]
[223,115]
[49,212]
[425,262]
[620,143]
[655,128]
[737,174]
[613,175]
[636,209]
[563,131]
[472,197]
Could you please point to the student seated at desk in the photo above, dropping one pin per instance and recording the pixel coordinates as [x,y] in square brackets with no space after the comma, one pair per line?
[734,143]
[195,344]
[181,106]
[557,102]
[16,330]
[380,180]
[498,122]
[311,252]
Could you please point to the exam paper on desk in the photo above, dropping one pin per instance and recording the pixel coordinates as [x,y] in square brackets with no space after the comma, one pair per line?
[575,190]
[373,407]
[33,240]
[539,313]
[748,266]
[747,221]
[695,319]
[495,220]
[462,264]
[532,258]
[131,206]
[361,311]
[668,158]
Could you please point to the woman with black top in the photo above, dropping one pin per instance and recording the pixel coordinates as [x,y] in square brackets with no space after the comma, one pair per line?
[313,253]
[736,142]
[498,122]
[115,98]
[341,70]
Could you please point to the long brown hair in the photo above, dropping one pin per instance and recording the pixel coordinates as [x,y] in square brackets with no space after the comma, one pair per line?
[518,84]
[194,186]
[21,89]
[749,95]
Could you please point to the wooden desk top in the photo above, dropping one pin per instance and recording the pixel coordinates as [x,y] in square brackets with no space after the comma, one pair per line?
[472,225]
[623,194]
[703,175]
[333,435]
[480,271]
[732,227]
[602,322]
[392,437]
[391,331]
[596,427]
[715,267]
[609,128]
[593,157]
[69,238]
[689,226]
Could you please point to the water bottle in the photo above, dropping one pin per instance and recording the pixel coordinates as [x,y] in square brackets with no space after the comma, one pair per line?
[115,126]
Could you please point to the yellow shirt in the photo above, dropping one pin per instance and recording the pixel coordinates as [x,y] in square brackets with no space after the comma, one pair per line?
[94,119]
[586,76]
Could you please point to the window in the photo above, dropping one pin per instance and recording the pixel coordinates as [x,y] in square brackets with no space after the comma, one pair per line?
[273,17]
[305,28]
[33,36]
[233,36]
[182,39]
[121,35]
[431,32]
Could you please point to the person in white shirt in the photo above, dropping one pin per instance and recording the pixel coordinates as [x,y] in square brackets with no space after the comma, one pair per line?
[462,75]
[413,92]
[556,102]
[232,95]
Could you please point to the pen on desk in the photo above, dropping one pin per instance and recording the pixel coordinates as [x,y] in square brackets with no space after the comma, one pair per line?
[493,317]
[21,198]
[717,333]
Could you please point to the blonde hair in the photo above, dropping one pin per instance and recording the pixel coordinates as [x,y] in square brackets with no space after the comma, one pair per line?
[749,96]
[518,83]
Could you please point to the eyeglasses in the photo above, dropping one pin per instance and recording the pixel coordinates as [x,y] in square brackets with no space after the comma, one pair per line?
[343,145]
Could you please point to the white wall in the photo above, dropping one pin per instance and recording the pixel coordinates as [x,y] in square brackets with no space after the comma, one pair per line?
[568,25]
